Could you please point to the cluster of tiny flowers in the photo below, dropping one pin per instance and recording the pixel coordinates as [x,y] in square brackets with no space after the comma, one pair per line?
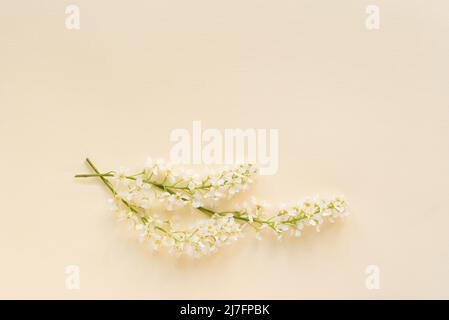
[224,228]
[292,220]
[203,238]
[136,198]
[159,183]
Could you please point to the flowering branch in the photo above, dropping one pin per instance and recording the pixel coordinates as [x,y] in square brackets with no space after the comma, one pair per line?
[134,196]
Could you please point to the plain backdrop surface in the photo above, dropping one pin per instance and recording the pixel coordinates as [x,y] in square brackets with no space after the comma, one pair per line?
[359,112]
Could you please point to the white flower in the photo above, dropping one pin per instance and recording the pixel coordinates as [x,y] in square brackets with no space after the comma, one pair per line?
[121,173]
[139,182]
[191,186]
[171,179]
[114,204]
[149,163]
[155,167]
[197,200]
[318,218]
[308,207]
[196,204]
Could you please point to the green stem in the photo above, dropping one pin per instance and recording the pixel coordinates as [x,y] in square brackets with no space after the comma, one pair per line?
[108,184]
[88,175]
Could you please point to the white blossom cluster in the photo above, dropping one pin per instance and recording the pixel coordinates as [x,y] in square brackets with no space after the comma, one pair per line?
[292,220]
[205,237]
[159,183]
[225,227]
[136,196]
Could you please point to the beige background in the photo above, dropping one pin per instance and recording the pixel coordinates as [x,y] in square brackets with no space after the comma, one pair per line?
[364,113]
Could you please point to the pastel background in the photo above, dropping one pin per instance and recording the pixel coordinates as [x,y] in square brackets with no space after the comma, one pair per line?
[359,112]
